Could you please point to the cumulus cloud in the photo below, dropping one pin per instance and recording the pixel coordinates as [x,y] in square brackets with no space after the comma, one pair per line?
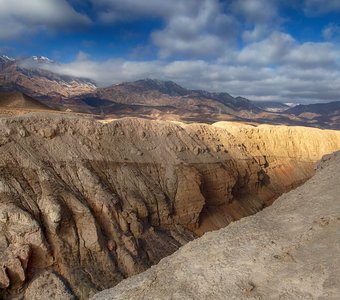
[289,81]
[191,27]
[107,72]
[207,32]
[259,15]
[282,49]
[314,55]
[117,10]
[20,17]
[267,64]
[271,50]
[255,11]
[331,32]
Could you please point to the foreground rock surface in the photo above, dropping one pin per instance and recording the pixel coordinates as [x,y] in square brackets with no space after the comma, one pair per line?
[290,250]
[85,204]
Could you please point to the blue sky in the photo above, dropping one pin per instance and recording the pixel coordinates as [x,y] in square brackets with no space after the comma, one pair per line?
[267,50]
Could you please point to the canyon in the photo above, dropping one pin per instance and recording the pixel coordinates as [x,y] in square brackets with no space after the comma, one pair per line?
[87,202]
[99,184]
[176,150]
[289,250]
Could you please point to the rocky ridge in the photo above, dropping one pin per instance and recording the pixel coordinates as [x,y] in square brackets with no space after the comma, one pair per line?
[32,77]
[288,251]
[85,203]
[156,99]
[38,78]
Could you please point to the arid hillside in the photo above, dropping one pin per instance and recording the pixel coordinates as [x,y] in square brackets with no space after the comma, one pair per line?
[287,251]
[86,203]
[14,103]
[151,98]
[31,76]
[20,101]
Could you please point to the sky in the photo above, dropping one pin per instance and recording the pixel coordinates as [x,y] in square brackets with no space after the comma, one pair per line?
[285,50]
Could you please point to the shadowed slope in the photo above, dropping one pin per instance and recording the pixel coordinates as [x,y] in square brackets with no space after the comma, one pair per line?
[288,251]
[15,100]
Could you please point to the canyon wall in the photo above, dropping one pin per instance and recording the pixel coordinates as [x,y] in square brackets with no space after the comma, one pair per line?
[86,203]
[289,250]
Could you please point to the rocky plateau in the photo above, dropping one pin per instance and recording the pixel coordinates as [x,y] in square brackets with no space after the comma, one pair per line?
[85,203]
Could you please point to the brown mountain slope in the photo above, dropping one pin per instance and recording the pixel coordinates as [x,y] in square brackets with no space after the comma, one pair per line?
[30,76]
[16,100]
[288,251]
[168,95]
[156,99]
[147,98]
[85,204]
[321,113]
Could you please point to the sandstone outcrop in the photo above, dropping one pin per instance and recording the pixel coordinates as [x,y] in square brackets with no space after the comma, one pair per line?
[85,204]
[287,251]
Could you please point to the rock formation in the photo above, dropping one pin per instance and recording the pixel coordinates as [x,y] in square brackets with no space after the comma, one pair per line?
[86,203]
[290,250]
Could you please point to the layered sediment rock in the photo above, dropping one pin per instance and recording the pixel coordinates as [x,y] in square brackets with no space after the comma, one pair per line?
[85,204]
[287,251]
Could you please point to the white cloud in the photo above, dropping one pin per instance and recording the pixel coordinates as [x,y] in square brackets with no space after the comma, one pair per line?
[271,64]
[331,32]
[21,17]
[191,28]
[208,32]
[117,10]
[282,49]
[314,55]
[82,56]
[260,16]
[268,51]
[256,33]
[255,11]
[289,81]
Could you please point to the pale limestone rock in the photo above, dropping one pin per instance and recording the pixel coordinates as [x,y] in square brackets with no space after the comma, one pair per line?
[13,264]
[290,250]
[48,286]
[93,210]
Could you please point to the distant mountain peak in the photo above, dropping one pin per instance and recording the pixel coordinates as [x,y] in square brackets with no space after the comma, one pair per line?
[42,59]
[162,86]
[158,82]
[36,77]
[5,57]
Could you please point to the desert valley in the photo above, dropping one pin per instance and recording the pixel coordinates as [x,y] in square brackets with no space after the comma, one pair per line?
[88,199]
[174,150]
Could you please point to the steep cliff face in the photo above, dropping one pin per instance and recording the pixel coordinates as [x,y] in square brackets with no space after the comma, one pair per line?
[287,251]
[84,204]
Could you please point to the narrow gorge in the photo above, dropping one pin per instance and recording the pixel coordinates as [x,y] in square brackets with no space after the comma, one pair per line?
[86,203]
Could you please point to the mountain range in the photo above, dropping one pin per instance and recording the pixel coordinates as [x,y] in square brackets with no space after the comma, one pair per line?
[152,99]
